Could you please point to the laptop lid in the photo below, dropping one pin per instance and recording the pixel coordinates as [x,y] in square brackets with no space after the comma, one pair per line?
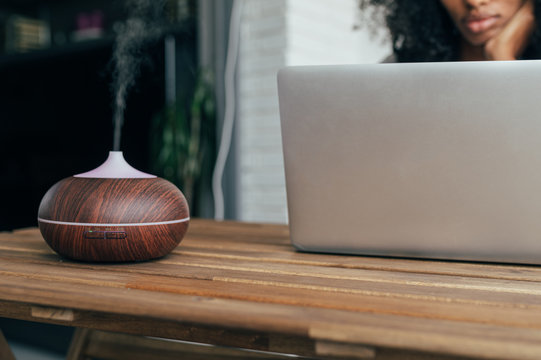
[438,160]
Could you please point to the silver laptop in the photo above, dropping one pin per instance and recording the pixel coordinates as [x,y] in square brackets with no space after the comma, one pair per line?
[436,160]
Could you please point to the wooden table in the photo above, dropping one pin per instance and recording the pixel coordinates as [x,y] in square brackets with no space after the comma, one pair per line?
[243,285]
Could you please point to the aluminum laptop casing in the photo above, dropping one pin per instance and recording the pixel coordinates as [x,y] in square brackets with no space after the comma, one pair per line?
[437,160]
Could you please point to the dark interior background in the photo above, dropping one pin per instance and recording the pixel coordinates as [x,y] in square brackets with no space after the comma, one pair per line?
[55,103]
[56,114]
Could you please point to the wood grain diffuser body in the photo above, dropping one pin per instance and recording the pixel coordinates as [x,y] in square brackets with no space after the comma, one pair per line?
[113,213]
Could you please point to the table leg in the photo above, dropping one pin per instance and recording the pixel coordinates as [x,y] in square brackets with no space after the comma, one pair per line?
[78,344]
[5,350]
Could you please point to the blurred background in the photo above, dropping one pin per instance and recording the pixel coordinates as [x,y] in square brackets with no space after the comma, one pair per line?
[56,99]
[212,55]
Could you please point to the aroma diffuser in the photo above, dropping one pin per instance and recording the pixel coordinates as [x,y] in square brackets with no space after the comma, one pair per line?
[113,213]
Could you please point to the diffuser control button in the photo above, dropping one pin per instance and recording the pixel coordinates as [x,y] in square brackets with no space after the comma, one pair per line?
[94,234]
[115,235]
[104,234]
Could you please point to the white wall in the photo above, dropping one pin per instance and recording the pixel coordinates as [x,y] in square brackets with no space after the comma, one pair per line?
[322,32]
[274,34]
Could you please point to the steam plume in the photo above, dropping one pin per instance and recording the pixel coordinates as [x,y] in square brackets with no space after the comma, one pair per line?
[143,26]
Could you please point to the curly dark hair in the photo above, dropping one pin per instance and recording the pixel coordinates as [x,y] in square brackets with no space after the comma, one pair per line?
[421,30]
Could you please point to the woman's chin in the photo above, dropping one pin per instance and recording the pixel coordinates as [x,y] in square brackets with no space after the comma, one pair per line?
[480,39]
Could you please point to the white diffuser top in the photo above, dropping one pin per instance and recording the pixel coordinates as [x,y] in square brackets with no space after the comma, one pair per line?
[115,167]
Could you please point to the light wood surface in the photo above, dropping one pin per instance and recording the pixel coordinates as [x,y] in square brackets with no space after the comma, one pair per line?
[243,285]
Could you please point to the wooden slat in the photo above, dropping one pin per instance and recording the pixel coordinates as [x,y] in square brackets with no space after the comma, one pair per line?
[248,278]
[172,329]
[231,247]
[202,267]
[385,331]
[238,230]
[449,301]
[350,351]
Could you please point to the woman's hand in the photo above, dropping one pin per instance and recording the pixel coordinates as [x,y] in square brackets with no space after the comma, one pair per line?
[514,37]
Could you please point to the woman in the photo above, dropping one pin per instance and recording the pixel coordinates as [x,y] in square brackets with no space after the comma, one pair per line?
[449,30]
